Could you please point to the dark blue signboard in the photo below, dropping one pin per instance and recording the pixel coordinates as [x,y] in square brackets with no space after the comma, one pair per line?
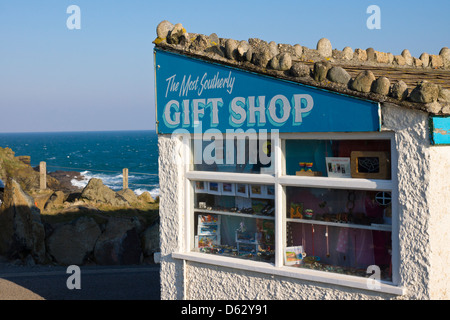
[195,95]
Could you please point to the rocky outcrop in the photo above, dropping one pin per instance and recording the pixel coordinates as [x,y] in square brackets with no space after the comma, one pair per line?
[72,243]
[96,192]
[119,244]
[95,226]
[22,232]
[23,173]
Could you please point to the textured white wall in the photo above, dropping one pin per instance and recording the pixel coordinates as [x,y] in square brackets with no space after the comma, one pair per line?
[171,209]
[423,203]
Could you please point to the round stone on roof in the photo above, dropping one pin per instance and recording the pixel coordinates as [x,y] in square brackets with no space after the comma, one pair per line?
[348,53]
[324,47]
[163,29]
[363,81]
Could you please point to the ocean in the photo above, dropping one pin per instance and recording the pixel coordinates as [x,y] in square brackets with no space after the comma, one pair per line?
[100,155]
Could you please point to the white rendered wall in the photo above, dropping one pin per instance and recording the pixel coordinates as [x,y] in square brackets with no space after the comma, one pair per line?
[423,203]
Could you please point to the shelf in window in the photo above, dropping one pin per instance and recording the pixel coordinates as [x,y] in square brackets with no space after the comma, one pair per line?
[373,226]
[235,214]
[340,183]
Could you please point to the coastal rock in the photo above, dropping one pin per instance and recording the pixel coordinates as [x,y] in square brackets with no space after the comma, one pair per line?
[399,90]
[150,240]
[25,175]
[21,229]
[128,195]
[425,92]
[65,179]
[363,81]
[381,86]
[339,75]
[146,197]
[96,192]
[72,243]
[324,48]
[119,244]
[56,200]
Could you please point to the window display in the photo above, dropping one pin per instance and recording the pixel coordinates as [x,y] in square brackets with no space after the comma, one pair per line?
[343,231]
[368,159]
[236,222]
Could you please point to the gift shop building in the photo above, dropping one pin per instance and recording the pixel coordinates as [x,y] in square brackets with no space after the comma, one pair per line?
[296,173]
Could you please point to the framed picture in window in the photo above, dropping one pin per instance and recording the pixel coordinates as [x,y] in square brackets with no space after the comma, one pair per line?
[242,190]
[215,188]
[256,191]
[338,167]
[369,165]
[201,187]
[269,191]
[228,189]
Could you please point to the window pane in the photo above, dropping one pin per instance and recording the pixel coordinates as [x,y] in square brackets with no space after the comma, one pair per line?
[234,219]
[342,231]
[230,153]
[339,158]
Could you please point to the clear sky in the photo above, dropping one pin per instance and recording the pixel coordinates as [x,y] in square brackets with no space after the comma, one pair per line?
[101,77]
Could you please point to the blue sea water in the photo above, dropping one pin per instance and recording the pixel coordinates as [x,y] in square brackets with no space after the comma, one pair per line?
[94,154]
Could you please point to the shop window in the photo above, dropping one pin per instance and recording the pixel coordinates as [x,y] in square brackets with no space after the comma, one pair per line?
[333,203]
[234,219]
[336,230]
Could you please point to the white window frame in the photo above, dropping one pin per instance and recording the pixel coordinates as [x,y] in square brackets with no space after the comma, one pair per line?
[280,181]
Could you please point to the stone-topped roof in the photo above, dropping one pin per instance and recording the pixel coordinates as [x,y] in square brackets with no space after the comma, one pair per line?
[419,83]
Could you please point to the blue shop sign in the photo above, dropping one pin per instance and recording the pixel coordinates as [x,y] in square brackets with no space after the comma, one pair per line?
[440,130]
[196,95]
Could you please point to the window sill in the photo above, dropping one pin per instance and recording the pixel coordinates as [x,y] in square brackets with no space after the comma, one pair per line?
[302,274]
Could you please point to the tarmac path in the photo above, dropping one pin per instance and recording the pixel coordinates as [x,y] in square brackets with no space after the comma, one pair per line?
[96,283]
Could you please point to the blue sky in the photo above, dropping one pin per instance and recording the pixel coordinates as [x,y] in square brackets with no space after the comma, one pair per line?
[101,76]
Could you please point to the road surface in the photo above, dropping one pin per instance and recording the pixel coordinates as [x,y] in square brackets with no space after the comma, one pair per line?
[95,282]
